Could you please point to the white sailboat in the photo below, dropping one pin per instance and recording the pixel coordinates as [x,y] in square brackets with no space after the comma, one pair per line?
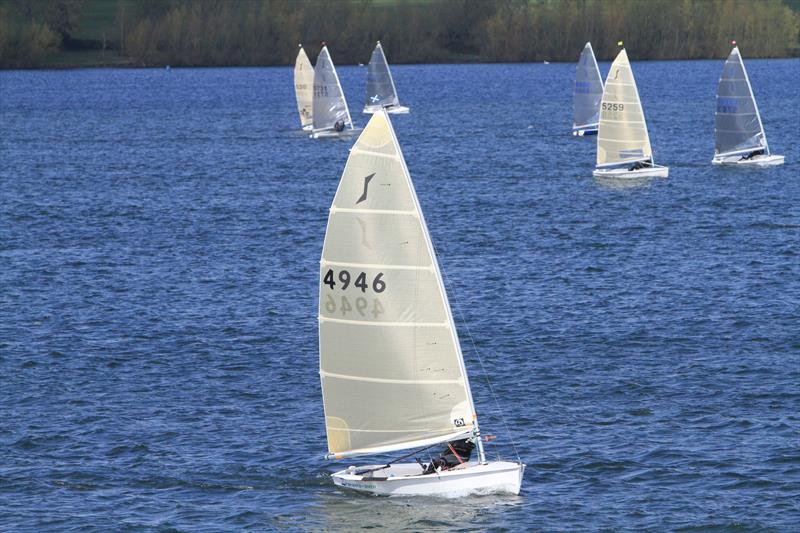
[331,117]
[381,92]
[739,133]
[392,371]
[587,94]
[304,87]
[623,144]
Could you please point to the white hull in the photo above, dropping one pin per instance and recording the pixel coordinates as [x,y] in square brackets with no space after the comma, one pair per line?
[500,477]
[326,134]
[757,161]
[393,110]
[308,127]
[584,131]
[656,171]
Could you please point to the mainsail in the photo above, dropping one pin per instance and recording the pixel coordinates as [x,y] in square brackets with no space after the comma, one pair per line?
[622,134]
[329,103]
[304,86]
[588,91]
[391,367]
[738,127]
[381,91]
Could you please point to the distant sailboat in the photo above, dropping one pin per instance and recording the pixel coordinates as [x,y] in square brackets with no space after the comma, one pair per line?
[739,133]
[392,371]
[381,92]
[331,117]
[304,87]
[587,94]
[623,144]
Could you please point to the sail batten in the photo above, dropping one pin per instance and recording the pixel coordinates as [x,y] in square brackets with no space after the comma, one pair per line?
[304,87]
[622,133]
[329,104]
[738,127]
[387,338]
[588,91]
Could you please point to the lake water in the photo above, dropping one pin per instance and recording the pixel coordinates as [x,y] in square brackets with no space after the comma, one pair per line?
[160,233]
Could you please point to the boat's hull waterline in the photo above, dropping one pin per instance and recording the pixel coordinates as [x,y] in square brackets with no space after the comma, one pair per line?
[499,477]
[585,132]
[656,171]
[332,134]
[755,161]
[392,110]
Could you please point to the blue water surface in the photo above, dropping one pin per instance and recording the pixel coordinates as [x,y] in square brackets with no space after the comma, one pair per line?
[160,232]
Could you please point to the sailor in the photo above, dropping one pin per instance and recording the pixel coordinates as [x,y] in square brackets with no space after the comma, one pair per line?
[339,126]
[640,164]
[751,155]
[456,453]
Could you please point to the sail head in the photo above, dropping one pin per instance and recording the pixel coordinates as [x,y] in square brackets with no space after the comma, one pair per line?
[737,124]
[622,133]
[304,87]
[329,104]
[588,91]
[380,85]
[390,363]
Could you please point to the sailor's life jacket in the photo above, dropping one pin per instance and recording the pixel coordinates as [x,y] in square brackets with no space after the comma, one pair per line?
[457,452]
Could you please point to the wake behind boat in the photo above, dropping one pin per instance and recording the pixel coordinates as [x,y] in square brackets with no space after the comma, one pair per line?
[381,92]
[331,117]
[623,144]
[738,130]
[304,88]
[393,375]
[587,94]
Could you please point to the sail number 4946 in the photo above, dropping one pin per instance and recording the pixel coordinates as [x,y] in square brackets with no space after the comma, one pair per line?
[345,278]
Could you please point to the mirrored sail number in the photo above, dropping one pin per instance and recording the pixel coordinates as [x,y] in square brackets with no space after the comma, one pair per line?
[321,90]
[360,281]
[360,307]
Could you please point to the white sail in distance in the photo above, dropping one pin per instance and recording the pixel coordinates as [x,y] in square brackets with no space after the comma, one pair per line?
[737,123]
[622,133]
[329,105]
[304,87]
[588,91]
[391,366]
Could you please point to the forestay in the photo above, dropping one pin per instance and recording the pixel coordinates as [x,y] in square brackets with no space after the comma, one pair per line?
[588,91]
[391,366]
[738,127]
[304,86]
[329,103]
[380,85]
[622,134]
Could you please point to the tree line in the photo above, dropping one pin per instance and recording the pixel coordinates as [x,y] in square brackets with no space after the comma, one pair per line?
[266,32]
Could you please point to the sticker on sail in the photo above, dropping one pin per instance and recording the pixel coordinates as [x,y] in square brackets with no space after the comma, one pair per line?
[461,416]
[363,196]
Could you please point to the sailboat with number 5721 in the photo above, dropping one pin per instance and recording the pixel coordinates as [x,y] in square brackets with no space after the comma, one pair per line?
[392,371]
